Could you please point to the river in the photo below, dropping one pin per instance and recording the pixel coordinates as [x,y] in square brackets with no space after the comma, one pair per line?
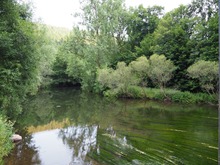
[68,127]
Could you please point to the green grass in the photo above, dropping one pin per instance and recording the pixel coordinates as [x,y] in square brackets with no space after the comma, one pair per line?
[172,95]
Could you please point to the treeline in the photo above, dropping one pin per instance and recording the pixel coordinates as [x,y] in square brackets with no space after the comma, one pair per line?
[110,35]
[27,53]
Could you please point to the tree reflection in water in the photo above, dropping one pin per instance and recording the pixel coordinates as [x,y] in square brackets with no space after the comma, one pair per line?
[81,139]
[25,152]
[126,132]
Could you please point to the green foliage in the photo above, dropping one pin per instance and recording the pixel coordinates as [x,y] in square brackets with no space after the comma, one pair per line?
[26,56]
[59,75]
[104,17]
[171,95]
[204,40]
[146,46]
[119,79]
[104,77]
[171,38]
[186,34]
[113,34]
[186,97]
[55,33]
[46,49]
[157,68]
[85,51]
[160,71]
[83,54]
[140,67]
[142,22]
[5,142]
[17,61]
[207,74]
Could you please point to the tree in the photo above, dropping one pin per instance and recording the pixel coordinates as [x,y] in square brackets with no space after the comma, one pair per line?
[47,47]
[146,46]
[119,79]
[172,38]
[20,59]
[204,9]
[142,22]
[140,67]
[204,40]
[99,45]
[160,70]
[207,74]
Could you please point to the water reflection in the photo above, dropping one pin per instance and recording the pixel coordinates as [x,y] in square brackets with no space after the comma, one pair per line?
[66,146]
[88,129]
[76,143]
[24,152]
[81,140]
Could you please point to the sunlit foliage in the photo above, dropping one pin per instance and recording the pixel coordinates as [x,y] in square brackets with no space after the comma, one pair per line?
[207,74]
[161,70]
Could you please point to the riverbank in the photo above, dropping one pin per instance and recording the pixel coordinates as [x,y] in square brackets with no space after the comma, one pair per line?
[169,95]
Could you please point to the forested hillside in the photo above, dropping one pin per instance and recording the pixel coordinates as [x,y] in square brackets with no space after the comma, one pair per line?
[55,33]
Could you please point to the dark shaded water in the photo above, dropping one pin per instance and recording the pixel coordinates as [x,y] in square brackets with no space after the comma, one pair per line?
[68,127]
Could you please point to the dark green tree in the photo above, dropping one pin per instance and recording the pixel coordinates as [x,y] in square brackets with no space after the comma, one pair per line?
[171,38]
[141,23]
[204,40]
[19,59]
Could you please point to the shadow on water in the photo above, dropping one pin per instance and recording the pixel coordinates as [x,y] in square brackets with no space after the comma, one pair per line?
[69,127]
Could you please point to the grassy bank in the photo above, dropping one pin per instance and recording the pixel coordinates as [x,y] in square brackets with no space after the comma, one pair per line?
[171,95]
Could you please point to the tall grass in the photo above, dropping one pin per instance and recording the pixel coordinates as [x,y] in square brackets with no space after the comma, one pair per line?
[172,95]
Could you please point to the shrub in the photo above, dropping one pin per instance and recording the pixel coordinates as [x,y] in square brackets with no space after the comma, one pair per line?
[207,74]
[183,97]
[5,142]
[136,92]
[119,79]
[161,70]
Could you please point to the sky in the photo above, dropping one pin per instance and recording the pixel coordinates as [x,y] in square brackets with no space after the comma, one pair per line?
[60,13]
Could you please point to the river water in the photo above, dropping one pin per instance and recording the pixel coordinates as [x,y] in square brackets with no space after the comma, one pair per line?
[69,127]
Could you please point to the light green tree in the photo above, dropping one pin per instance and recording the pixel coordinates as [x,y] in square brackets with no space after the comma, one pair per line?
[207,74]
[140,67]
[98,45]
[105,79]
[160,70]
[119,79]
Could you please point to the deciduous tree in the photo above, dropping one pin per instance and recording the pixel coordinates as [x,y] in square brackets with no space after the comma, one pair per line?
[160,70]
[207,74]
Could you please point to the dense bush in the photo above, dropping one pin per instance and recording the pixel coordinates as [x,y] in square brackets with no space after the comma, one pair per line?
[119,79]
[23,62]
[206,72]
[161,70]
[5,135]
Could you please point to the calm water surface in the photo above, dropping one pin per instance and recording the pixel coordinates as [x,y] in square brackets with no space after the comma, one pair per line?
[68,127]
